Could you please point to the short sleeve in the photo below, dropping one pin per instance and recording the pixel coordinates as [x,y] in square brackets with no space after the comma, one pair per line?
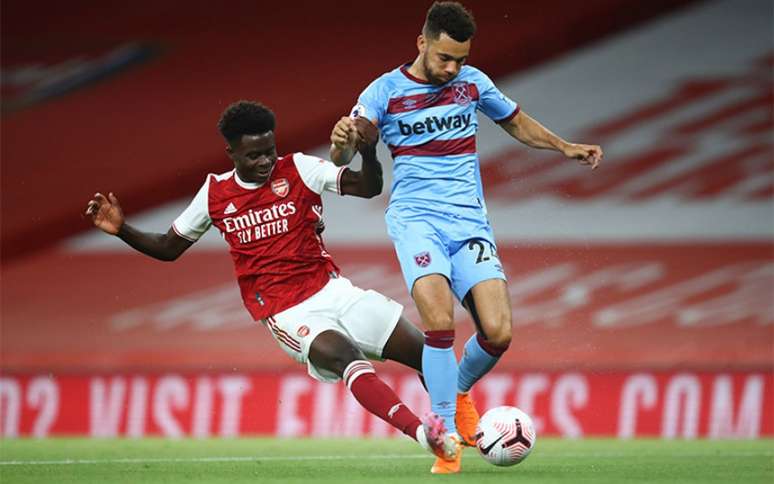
[318,174]
[195,219]
[492,102]
[371,103]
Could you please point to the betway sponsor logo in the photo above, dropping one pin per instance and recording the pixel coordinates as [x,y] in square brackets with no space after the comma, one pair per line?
[432,124]
[255,217]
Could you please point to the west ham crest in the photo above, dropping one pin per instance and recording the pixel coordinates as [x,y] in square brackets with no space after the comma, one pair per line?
[280,187]
[461,93]
[422,259]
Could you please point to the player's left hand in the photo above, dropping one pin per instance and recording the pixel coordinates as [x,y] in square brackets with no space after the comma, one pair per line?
[589,155]
[344,134]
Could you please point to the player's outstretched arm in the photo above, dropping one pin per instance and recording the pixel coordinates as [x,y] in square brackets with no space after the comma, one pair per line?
[532,133]
[367,182]
[343,141]
[106,214]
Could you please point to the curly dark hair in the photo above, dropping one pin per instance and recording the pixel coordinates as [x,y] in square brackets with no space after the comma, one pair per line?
[245,117]
[449,17]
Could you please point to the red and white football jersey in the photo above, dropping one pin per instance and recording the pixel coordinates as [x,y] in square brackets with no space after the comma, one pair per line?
[278,257]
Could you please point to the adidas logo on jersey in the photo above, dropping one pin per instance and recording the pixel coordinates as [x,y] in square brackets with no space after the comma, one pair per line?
[431,124]
[230,209]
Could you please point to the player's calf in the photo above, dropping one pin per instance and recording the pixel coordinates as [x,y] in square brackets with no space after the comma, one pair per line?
[378,398]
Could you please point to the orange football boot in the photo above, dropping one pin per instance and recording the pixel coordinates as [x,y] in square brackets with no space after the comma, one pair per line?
[466,419]
[443,466]
[433,437]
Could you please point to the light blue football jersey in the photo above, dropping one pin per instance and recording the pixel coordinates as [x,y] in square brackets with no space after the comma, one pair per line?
[431,133]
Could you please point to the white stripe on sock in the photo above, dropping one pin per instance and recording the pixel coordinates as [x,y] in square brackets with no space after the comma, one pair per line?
[355,369]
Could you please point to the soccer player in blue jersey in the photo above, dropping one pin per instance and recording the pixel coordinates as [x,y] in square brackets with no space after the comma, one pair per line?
[426,112]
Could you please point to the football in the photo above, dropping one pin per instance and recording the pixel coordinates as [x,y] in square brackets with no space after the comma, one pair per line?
[505,436]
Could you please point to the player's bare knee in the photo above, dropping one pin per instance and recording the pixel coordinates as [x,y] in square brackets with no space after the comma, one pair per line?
[339,362]
[499,335]
[501,339]
[438,321]
[333,351]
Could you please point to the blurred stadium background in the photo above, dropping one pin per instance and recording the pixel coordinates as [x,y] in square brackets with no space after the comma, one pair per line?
[643,293]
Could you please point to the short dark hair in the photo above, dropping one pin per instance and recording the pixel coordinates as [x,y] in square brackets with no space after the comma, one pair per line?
[449,17]
[245,117]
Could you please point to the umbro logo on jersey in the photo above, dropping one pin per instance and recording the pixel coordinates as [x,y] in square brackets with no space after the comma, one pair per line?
[280,187]
[230,209]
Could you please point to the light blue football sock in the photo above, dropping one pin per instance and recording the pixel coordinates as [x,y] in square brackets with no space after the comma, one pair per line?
[439,367]
[475,363]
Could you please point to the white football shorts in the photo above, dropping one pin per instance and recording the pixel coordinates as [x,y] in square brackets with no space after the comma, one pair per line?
[367,317]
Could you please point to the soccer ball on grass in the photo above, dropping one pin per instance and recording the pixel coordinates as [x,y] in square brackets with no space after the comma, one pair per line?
[505,436]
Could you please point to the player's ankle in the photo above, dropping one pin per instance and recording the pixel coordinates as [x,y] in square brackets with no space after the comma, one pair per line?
[419,436]
[414,430]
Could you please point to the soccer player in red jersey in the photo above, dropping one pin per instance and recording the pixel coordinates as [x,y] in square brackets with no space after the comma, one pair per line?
[268,209]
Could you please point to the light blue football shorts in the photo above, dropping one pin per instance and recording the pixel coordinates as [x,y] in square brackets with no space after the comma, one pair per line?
[457,244]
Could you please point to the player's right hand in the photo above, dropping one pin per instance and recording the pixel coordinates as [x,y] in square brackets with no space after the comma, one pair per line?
[106,213]
[344,134]
[367,134]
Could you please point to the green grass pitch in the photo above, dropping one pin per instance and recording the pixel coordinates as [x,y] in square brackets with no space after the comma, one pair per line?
[351,461]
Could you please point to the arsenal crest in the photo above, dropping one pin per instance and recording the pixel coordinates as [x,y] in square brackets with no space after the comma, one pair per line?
[461,93]
[303,331]
[422,259]
[280,187]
